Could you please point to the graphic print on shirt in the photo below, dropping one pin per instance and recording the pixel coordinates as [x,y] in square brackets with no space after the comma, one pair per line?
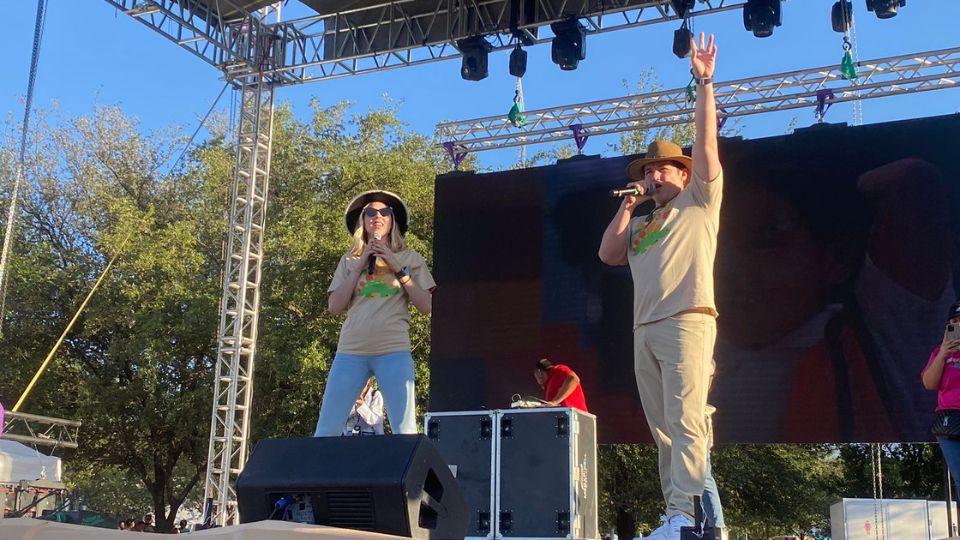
[381,284]
[652,233]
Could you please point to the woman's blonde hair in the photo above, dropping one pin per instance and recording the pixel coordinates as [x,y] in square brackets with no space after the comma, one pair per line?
[397,243]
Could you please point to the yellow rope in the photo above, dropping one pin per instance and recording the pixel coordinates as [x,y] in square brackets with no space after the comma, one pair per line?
[66,330]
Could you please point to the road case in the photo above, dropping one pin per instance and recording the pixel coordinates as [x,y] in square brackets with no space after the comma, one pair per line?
[466,441]
[547,474]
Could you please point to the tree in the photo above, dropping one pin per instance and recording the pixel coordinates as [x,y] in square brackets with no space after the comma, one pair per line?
[770,489]
[109,489]
[629,491]
[908,471]
[135,367]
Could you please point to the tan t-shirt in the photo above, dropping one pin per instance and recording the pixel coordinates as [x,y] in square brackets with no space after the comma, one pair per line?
[378,321]
[671,253]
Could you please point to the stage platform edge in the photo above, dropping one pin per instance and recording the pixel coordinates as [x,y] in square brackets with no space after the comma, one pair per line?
[39,529]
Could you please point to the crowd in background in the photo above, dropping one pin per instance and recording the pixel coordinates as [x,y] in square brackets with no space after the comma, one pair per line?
[147,525]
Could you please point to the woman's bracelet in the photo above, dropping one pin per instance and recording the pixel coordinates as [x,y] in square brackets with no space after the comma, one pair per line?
[403,273]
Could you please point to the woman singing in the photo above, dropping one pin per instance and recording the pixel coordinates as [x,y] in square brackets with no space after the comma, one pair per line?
[373,283]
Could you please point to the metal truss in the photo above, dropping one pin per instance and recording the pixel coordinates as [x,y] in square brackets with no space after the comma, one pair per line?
[819,87]
[388,35]
[190,25]
[240,303]
[40,430]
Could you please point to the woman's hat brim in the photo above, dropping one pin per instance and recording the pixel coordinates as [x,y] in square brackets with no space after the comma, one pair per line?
[401,215]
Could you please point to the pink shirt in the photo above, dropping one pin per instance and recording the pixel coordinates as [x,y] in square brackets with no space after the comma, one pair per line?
[948,393]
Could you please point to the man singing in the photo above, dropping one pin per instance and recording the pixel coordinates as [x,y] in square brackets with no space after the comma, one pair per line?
[671,252]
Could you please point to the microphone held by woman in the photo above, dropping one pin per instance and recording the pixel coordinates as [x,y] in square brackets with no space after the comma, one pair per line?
[372,260]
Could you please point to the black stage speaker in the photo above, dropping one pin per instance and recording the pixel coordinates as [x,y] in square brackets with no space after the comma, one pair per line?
[392,484]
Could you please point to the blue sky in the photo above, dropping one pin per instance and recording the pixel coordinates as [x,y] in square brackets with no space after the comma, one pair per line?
[92,54]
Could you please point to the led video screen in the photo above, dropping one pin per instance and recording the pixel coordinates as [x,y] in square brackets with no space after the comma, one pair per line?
[837,262]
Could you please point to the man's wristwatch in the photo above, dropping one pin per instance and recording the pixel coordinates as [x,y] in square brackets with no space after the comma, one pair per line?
[403,273]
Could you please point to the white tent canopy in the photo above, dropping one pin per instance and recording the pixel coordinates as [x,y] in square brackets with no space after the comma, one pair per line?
[20,462]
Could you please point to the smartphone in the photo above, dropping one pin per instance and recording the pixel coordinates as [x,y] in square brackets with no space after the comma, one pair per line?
[953,331]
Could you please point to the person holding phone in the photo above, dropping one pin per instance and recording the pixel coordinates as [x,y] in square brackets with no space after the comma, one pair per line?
[943,375]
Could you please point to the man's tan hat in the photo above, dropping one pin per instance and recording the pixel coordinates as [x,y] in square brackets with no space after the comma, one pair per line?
[658,150]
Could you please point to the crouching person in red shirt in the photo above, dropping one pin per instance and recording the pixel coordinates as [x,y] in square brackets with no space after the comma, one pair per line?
[560,384]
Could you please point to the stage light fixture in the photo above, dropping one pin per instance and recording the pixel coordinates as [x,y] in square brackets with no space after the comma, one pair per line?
[475,51]
[682,7]
[569,44]
[518,62]
[842,15]
[885,9]
[681,41]
[761,16]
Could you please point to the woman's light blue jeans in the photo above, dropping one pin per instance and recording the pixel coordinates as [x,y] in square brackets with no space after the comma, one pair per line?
[951,454]
[712,509]
[394,373]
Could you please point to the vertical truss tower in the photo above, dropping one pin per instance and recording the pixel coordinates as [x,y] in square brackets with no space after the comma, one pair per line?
[240,303]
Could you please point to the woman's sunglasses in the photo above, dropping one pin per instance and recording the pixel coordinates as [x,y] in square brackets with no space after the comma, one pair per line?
[371,212]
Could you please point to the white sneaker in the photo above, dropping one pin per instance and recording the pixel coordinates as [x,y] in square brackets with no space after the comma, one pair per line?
[670,530]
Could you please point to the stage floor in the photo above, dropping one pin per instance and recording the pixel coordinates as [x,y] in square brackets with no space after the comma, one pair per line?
[38,529]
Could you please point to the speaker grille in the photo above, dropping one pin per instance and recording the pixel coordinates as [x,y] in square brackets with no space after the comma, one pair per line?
[351,509]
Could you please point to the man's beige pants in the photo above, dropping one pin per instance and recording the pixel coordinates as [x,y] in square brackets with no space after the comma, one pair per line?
[673,361]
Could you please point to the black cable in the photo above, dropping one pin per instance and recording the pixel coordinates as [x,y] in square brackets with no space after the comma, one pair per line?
[202,122]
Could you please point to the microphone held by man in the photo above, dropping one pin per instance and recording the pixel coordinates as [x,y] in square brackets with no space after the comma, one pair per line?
[632,191]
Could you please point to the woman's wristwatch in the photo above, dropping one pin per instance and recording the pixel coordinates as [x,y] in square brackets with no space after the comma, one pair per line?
[403,273]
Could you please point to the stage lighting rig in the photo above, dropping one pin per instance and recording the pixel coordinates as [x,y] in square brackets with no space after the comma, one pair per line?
[841,16]
[475,51]
[569,43]
[885,9]
[518,62]
[682,36]
[681,41]
[761,16]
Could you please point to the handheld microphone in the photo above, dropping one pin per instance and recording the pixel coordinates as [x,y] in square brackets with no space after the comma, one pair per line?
[372,260]
[634,191]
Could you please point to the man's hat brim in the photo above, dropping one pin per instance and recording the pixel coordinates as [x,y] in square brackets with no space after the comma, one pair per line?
[401,215]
